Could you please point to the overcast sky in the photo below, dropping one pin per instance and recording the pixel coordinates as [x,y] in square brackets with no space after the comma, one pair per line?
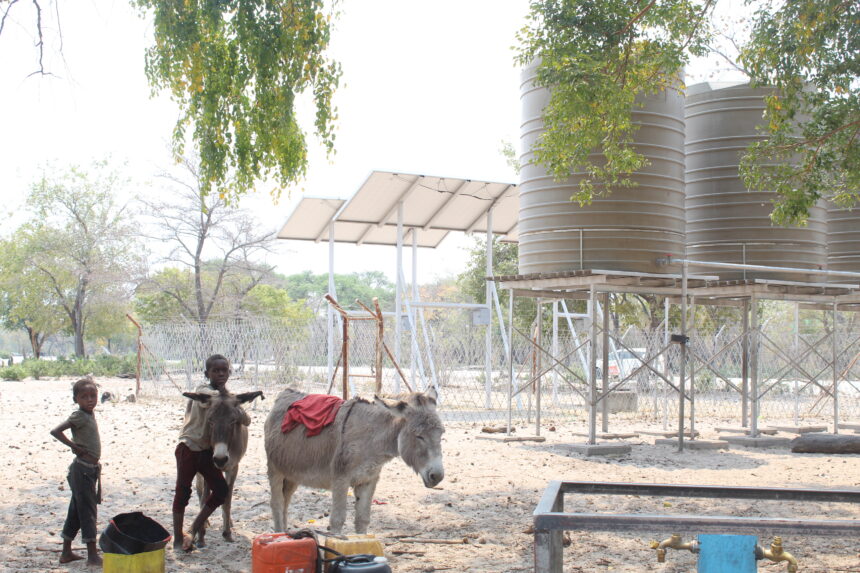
[428,87]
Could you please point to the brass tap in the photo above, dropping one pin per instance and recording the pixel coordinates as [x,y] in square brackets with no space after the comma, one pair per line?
[777,554]
[673,542]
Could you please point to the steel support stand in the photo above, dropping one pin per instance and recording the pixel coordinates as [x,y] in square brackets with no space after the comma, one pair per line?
[398,293]
[555,350]
[488,336]
[510,358]
[604,418]
[835,369]
[330,314]
[745,366]
[413,311]
[754,360]
[592,378]
[539,364]
[682,373]
[666,388]
[796,351]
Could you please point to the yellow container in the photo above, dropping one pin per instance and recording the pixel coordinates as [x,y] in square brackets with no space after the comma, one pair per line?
[149,562]
[365,544]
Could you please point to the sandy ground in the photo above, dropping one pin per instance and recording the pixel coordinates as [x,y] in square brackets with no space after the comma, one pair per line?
[488,496]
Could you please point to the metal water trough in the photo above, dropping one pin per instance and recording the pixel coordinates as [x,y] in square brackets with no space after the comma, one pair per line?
[550,519]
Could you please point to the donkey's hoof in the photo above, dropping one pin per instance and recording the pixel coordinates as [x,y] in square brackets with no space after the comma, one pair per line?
[228,535]
[200,542]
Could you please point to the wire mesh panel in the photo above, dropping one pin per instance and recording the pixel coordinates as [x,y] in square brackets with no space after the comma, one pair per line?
[793,367]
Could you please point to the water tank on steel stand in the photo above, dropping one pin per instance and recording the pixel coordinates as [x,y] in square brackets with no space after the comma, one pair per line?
[625,231]
[725,221]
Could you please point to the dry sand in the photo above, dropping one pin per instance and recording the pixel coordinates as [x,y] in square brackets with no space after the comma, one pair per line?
[488,496]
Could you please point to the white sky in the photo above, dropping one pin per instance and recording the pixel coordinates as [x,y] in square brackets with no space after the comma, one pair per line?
[428,87]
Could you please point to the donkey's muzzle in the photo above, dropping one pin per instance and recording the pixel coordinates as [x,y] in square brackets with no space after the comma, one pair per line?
[220,461]
[432,478]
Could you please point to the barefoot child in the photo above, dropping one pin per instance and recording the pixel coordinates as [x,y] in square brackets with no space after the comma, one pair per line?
[84,473]
[194,455]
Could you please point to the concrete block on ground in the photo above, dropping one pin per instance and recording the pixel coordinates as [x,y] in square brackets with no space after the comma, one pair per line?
[769,431]
[693,444]
[800,429]
[758,442]
[614,449]
[669,433]
[610,435]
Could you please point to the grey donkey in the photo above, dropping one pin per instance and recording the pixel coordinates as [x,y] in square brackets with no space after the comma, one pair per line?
[351,451]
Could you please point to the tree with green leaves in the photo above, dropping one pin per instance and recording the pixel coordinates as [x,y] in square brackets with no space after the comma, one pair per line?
[363,286]
[597,57]
[26,300]
[79,244]
[237,68]
[473,284]
[215,253]
[810,51]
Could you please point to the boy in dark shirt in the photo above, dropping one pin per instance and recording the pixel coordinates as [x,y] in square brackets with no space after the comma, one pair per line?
[84,473]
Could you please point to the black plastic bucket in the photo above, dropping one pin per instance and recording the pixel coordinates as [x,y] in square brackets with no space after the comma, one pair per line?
[133,533]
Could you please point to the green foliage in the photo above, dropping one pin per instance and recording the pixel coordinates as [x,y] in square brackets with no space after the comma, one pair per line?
[26,297]
[809,50]
[79,244]
[14,372]
[362,286]
[472,281]
[102,365]
[596,58]
[272,302]
[236,67]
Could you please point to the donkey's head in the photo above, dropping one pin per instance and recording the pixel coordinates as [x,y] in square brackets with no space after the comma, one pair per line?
[420,440]
[224,417]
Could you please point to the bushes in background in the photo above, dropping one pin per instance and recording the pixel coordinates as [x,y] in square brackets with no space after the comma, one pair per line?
[105,365]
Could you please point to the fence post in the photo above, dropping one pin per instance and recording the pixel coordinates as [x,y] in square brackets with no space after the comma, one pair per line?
[137,372]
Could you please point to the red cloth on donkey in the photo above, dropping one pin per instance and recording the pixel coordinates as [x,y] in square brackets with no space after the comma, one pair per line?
[314,412]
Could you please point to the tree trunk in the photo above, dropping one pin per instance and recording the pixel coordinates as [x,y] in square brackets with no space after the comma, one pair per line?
[35,342]
[815,443]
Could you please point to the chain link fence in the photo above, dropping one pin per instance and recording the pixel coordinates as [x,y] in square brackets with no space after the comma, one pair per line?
[792,371]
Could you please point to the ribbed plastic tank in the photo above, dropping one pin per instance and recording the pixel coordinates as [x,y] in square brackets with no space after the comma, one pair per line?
[625,231]
[843,241]
[726,222]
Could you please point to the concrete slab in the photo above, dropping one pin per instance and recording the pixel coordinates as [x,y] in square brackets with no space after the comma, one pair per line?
[694,444]
[739,430]
[799,429]
[615,449]
[668,434]
[757,442]
[855,427]
[610,435]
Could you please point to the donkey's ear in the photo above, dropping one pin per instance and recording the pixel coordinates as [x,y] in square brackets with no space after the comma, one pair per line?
[203,399]
[431,394]
[249,396]
[396,407]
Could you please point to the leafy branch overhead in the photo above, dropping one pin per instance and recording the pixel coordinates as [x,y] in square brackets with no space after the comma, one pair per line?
[596,57]
[810,51]
[236,68]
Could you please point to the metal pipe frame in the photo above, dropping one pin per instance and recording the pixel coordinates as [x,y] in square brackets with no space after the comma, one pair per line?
[746,267]
[550,519]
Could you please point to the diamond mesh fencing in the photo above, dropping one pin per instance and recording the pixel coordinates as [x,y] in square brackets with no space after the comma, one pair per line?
[789,370]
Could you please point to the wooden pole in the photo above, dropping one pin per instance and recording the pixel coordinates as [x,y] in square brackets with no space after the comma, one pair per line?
[137,372]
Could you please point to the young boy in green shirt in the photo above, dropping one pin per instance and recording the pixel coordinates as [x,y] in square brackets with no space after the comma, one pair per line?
[84,473]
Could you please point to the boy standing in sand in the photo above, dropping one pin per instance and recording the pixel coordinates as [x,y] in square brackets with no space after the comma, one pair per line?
[84,473]
[194,455]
